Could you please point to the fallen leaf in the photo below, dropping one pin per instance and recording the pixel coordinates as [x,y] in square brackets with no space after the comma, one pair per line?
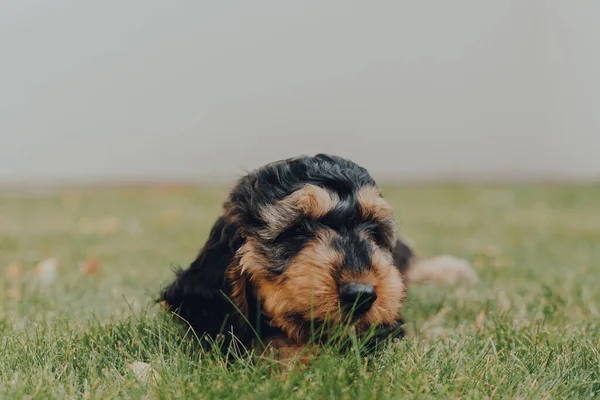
[91,266]
[13,271]
[144,372]
[47,270]
[479,323]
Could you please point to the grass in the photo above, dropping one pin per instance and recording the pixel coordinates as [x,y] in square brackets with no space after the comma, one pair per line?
[529,329]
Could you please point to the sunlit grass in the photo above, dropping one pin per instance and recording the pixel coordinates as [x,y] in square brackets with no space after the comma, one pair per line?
[530,328]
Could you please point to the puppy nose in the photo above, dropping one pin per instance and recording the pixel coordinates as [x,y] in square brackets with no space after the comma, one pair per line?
[357,297]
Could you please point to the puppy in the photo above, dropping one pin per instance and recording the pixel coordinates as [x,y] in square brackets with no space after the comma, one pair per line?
[304,246]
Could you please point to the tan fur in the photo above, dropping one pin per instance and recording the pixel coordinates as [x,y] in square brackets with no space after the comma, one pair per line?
[372,205]
[238,286]
[307,287]
[311,201]
[389,286]
[306,284]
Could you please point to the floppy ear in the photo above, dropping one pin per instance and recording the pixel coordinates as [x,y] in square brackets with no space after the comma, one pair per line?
[403,257]
[201,293]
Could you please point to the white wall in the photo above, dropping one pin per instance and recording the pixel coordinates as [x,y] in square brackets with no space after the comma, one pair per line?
[193,90]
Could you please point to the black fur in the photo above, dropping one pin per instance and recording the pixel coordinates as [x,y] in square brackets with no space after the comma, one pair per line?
[200,293]
[403,256]
[197,292]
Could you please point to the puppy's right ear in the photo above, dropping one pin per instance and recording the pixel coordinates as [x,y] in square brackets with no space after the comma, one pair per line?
[199,293]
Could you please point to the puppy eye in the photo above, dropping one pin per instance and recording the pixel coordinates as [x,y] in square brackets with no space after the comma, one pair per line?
[288,244]
[294,231]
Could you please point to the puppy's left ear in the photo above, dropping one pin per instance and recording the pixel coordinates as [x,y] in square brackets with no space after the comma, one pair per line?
[201,293]
[403,256]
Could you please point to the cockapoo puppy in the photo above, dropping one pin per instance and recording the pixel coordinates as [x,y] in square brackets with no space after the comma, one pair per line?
[304,246]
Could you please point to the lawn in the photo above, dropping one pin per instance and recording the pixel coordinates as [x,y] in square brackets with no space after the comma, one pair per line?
[529,329]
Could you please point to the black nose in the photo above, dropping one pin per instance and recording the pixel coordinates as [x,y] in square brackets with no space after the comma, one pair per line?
[357,297]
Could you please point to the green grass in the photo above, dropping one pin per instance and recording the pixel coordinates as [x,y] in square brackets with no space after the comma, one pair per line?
[529,329]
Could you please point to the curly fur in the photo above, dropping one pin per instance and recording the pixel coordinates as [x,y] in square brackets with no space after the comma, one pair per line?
[291,233]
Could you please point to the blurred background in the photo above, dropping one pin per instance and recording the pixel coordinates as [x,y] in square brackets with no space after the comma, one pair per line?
[158,105]
[196,91]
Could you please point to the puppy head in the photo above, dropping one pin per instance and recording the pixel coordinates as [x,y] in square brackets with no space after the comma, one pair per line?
[317,248]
